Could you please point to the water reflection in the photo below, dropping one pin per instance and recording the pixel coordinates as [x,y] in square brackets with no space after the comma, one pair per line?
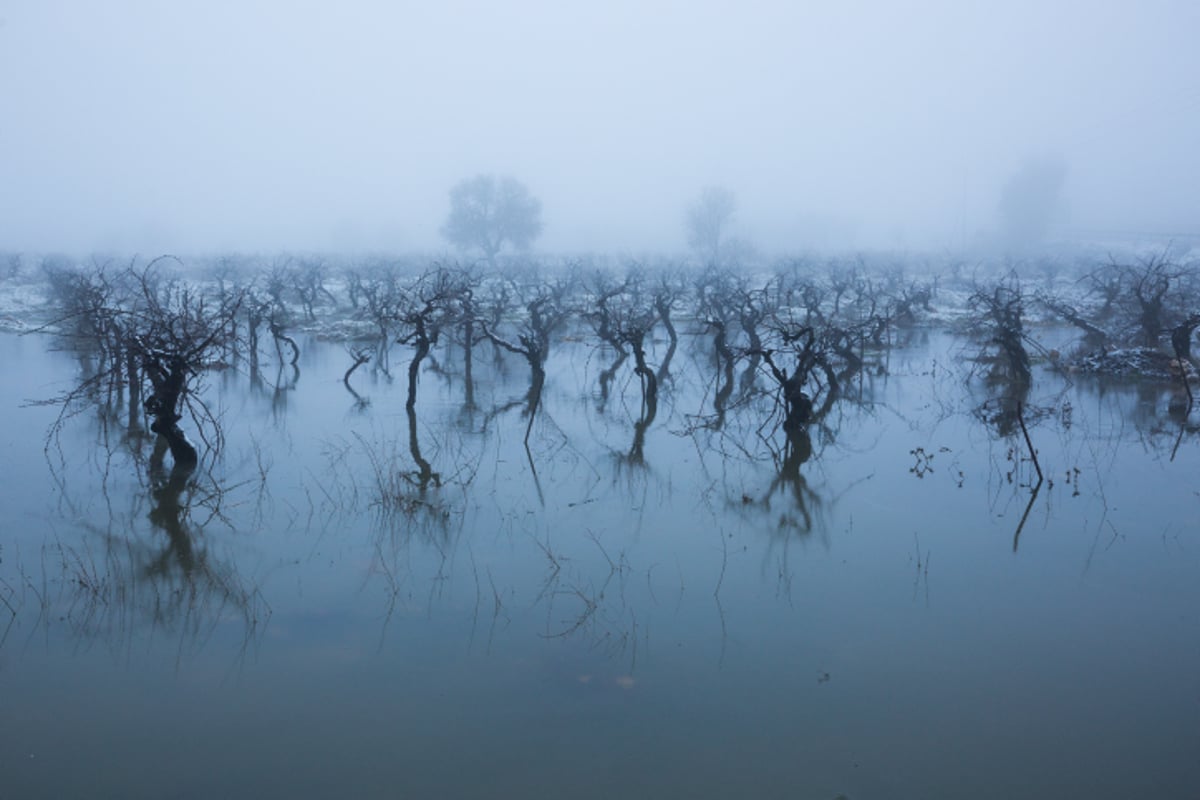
[125,581]
[287,378]
[606,378]
[513,583]
[791,483]
[358,357]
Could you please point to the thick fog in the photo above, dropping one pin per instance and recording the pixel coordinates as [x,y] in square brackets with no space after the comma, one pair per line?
[209,126]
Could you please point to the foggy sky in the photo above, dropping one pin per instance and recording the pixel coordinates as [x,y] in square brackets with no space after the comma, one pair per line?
[208,126]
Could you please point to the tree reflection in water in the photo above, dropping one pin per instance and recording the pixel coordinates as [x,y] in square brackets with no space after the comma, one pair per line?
[791,483]
[163,573]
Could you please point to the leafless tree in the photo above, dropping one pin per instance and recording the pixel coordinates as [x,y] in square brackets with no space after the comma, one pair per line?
[1150,301]
[308,281]
[158,336]
[803,370]
[426,307]
[668,292]
[358,356]
[1094,337]
[488,213]
[546,311]
[713,289]
[1001,319]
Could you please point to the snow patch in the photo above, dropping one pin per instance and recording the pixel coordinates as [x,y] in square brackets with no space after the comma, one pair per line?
[1133,362]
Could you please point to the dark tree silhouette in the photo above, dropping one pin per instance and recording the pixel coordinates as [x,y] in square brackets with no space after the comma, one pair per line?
[812,375]
[426,307]
[158,337]
[1094,337]
[308,280]
[1150,283]
[712,299]
[359,356]
[667,293]
[1000,310]
[547,310]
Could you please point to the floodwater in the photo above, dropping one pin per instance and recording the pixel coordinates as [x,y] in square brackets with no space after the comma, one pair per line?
[687,618]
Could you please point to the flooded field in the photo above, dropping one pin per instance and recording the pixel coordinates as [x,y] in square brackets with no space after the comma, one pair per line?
[686,608]
[610,401]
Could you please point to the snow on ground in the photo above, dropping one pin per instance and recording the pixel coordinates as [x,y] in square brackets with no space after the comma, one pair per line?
[23,305]
[1132,362]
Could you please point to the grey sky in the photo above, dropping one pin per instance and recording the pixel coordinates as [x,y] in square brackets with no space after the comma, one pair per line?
[209,125]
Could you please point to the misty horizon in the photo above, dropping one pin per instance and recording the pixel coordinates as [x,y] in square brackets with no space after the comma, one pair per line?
[135,126]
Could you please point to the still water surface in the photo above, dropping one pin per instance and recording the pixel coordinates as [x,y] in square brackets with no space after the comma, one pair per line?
[686,620]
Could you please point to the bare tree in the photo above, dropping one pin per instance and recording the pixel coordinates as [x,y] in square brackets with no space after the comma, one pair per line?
[1094,337]
[713,290]
[1001,309]
[487,213]
[631,321]
[1150,283]
[428,306]
[671,287]
[605,294]
[276,282]
[547,310]
[1001,321]
[379,297]
[308,280]
[359,356]
[811,376]
[158,336]
[1107,281]
[753,307]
